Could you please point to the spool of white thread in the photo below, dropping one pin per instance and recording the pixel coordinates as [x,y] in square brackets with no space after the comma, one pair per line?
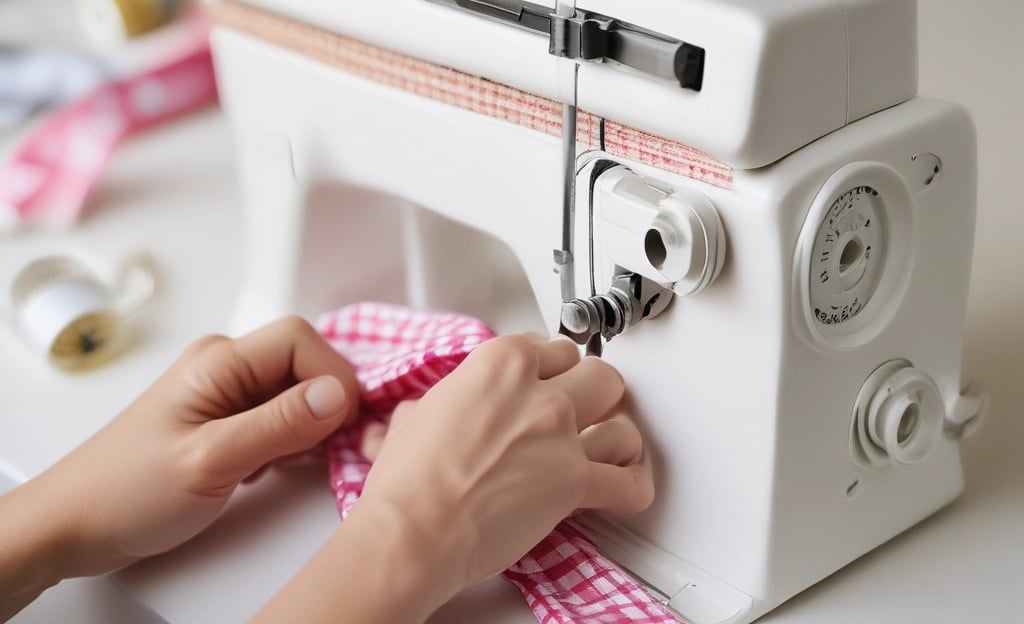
[111,22]
[65,311]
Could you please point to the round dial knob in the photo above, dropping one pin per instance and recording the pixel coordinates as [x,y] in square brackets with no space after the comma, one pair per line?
[853,254]
[848,255]
[897,417]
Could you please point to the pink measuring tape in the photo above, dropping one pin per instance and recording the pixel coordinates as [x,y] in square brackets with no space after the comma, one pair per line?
[51,174]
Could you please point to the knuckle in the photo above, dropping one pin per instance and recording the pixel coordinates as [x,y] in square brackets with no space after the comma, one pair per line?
[554,413]
[521,353]
[282,417]
[197,466]
[204,371]
[203,344]
[295,324]
[506,355]
[502,345]
[531,337]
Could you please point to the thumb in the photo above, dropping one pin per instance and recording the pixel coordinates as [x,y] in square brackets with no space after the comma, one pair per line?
[293,421]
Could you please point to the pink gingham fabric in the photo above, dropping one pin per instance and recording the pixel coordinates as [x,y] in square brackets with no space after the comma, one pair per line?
[49,177]
[398,354]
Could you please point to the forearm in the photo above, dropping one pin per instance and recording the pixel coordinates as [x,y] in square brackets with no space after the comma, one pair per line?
[375,568]
[34,548]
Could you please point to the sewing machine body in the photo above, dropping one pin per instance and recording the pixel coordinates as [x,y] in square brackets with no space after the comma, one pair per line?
[752,399]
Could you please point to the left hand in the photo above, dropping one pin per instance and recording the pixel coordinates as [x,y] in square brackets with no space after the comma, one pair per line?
[161,471]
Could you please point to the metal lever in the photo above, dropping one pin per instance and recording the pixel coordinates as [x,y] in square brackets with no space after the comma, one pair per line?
[594,320]
[594,37]
[525,14]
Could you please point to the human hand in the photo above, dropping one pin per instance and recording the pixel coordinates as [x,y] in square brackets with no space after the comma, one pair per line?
[522,434]
[468,479]
[160,472]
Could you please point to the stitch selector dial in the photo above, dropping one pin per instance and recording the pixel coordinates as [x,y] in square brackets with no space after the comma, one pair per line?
[853,254]
[848,255]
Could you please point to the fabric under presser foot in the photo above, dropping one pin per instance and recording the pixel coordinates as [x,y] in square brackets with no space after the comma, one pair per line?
[398,354]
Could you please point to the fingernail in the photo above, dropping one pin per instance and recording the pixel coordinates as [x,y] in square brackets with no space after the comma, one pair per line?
[325,398]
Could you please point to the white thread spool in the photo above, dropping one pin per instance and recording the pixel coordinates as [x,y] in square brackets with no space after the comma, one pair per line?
[65,311]
[111,22]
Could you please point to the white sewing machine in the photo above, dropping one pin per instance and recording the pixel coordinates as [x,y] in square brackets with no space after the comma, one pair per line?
[750,192]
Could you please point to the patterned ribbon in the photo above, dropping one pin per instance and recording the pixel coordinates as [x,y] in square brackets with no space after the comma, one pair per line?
[51,174]
[471,93]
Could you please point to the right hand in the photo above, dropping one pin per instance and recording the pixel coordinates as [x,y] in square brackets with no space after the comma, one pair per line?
[522,434]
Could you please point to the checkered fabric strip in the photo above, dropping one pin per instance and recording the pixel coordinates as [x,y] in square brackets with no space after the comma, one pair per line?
[50,175]
[472,93]
[398,354]
[565,579]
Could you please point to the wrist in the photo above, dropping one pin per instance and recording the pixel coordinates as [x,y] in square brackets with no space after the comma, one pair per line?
[35,541]
[380,565]
[418,553]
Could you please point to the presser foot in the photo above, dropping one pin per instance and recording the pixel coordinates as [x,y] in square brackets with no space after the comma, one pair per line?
[592,321]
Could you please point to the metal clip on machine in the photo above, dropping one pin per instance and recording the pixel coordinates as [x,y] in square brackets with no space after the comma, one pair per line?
[753,214]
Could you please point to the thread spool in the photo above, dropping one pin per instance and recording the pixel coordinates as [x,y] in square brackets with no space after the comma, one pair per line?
[63,310]
[110,22]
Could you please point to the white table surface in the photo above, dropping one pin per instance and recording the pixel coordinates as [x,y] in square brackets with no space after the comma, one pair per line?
[173,193]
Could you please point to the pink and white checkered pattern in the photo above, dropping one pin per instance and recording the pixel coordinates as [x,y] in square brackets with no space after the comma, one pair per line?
[399,354]
[566,579]
[49,177]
